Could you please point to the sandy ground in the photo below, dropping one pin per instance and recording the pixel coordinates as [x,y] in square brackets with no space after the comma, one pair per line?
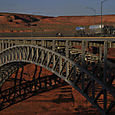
[63,100]
[59,101]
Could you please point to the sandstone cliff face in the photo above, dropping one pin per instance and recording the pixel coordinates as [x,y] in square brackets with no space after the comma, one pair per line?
[3,19]
[12,22]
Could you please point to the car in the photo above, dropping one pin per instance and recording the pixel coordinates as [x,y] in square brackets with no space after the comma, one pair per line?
[59,34]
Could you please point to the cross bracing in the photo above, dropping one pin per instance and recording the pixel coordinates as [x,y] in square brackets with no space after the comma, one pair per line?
[89,72]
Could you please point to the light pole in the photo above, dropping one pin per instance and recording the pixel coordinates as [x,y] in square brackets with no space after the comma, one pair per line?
[102,1]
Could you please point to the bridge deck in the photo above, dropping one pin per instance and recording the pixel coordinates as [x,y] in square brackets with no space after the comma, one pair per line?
[60,38]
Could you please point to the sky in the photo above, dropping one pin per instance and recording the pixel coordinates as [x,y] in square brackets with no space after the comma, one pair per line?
[58,7]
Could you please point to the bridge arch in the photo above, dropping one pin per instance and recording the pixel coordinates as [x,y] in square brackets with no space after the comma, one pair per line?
[74,74]
[39,56]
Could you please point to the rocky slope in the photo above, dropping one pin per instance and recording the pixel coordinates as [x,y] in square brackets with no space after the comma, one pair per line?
[12,22]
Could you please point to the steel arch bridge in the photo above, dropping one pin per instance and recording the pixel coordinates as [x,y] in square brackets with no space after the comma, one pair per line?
[89,72]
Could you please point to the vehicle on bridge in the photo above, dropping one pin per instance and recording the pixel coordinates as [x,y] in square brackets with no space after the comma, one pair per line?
[95,30]
[59,34]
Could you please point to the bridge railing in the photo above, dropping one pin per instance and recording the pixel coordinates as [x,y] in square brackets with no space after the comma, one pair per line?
[71,47]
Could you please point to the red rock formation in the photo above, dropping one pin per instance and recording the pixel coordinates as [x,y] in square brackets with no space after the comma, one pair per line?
[43,23]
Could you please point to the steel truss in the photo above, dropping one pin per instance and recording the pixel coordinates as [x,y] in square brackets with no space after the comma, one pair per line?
[88,79]
[23,89]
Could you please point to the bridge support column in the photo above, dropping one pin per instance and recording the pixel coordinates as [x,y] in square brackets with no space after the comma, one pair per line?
[53,48]
[67,55]
[105,73]
[105,60]
[83,60]
[83,53]
[100,53]
[42,52]
[100,59]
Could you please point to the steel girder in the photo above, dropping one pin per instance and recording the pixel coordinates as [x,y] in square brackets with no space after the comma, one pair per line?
[88,82]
